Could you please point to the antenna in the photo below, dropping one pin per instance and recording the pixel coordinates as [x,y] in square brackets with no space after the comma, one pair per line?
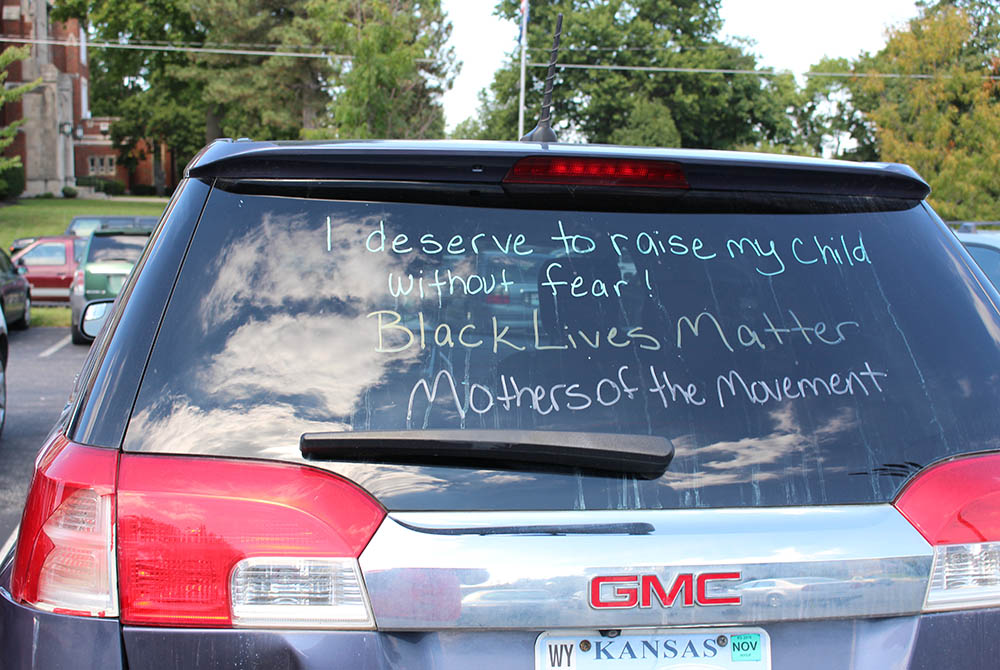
[543,131]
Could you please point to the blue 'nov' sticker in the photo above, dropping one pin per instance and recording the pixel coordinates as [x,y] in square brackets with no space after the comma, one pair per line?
[746,647]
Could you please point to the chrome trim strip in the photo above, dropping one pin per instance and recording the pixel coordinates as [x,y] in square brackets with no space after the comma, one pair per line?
[533,570]
[49,292]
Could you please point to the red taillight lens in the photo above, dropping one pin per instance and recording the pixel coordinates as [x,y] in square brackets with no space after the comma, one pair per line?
[956,506]
[214,542]
[597,172]
[65,547]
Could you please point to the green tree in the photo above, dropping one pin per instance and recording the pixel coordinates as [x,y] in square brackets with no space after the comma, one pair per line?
[399,67]
[828,117]
[708,110]
[7,95]
[142,87]
[261,96]
[947,125]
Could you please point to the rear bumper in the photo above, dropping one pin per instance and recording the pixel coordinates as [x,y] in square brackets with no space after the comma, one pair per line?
[33,639]
[30,638]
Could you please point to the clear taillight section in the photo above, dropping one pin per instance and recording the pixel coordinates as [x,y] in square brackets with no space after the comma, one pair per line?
[965,575]
[956,506]
[217,542]
[65,549]
[311,592]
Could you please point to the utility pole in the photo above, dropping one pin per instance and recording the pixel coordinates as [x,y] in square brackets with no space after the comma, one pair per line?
[524,48]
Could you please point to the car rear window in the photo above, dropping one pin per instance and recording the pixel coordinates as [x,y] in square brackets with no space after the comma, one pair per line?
[116,248]
[792,358]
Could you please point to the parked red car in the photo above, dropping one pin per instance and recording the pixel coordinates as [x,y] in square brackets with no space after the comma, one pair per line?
[49,264]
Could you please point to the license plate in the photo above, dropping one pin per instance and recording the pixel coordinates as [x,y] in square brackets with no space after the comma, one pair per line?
[660,648]
[115,283]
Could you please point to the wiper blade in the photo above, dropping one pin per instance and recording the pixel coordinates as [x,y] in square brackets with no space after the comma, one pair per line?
[645,456]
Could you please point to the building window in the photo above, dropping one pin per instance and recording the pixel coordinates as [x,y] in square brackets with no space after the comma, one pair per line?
[101,165]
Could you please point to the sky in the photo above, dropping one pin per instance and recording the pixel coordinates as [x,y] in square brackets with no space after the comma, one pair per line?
[788,35]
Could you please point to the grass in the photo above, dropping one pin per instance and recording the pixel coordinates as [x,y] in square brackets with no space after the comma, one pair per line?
[49,316]
[34,217]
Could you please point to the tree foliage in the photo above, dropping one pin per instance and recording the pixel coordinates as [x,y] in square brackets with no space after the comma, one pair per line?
[398,66]
[927,100]
[7,95]
[716,110]
[947,126]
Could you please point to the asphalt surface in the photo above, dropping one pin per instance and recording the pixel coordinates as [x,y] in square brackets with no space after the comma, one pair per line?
[41,368]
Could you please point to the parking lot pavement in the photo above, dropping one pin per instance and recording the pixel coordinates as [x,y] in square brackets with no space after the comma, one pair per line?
[41,368]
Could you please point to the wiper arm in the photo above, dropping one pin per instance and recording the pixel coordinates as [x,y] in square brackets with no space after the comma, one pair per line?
[645,456]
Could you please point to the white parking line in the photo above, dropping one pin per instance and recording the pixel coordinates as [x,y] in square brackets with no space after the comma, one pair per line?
[55,347]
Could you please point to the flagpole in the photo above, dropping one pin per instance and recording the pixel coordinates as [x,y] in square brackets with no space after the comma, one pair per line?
[524,46]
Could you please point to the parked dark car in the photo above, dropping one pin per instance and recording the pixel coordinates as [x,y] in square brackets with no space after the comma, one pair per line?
[984,246]
[520,405]
[83,226]
[49,264]
[107,261]
[15,294]
[4,353]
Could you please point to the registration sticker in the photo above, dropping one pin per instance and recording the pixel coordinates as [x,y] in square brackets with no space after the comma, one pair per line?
[655,649]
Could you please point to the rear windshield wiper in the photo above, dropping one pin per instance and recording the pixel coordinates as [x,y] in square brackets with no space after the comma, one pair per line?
[645,456]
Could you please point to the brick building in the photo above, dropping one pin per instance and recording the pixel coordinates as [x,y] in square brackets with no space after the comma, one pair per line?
[59,140]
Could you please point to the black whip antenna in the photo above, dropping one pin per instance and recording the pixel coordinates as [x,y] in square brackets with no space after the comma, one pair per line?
[543,131]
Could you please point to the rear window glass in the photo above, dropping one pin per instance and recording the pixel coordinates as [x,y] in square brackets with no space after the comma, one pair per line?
[116,248]
[83,227]
[790,358]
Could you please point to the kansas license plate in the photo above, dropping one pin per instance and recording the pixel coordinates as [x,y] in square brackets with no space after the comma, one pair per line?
[676,649]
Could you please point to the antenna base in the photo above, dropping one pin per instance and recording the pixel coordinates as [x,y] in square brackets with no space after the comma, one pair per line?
[540,134]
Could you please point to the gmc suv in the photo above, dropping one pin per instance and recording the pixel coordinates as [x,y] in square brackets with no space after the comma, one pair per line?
[525,405]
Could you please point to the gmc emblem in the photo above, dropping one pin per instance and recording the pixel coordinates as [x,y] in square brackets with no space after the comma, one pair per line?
[627,591]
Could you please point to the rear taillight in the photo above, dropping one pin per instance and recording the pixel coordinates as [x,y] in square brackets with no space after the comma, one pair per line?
[77,284]
[201,541]
[585,171]
[65,549]
[956,506]
[215,542]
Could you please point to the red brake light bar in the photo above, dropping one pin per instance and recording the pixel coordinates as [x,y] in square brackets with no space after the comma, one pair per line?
[597,172]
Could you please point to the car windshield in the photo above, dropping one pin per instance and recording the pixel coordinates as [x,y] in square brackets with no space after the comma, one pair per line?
[116,248]
[791,358]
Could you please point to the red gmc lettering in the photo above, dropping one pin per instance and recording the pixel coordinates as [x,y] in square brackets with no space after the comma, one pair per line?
[651,584]
[627,591]
[705,578]
[627,596]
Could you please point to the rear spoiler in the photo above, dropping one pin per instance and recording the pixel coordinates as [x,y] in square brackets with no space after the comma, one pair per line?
[487,163]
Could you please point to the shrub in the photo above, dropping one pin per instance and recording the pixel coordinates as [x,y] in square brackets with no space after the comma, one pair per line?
[87,180]
[143,189]
[69,192]
[114,187]
[45,196]
[11,182]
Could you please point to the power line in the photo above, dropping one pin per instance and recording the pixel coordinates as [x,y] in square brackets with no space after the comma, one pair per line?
[567,66]
[759,73]
[173,48]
